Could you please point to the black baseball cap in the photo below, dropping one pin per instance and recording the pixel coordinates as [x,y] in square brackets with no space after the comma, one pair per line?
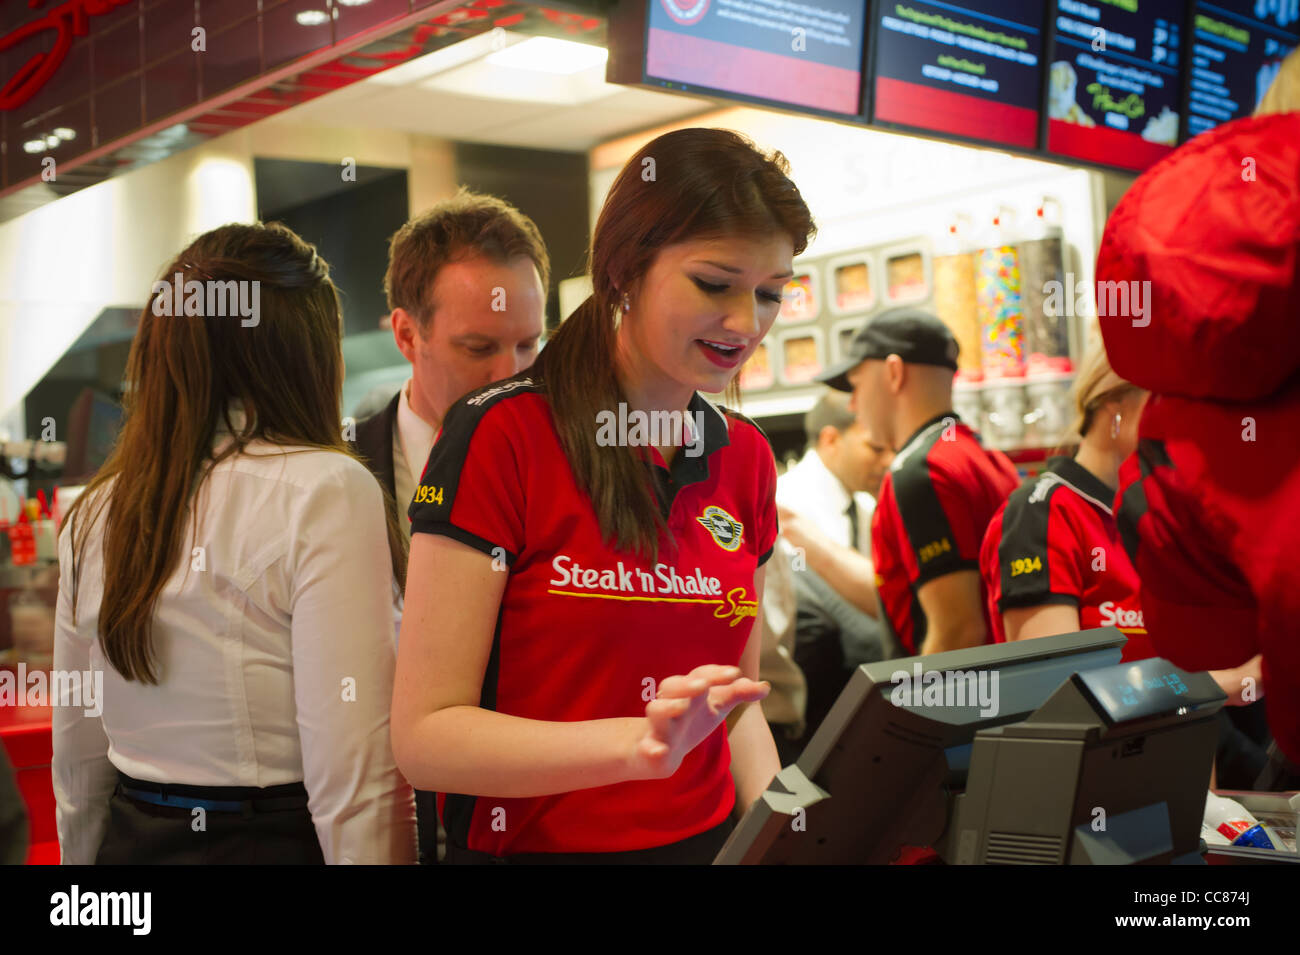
[913,334]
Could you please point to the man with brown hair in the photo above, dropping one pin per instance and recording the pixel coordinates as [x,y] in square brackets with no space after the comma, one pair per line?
[466,283]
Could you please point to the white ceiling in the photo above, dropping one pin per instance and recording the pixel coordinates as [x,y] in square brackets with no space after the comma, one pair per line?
[573,112]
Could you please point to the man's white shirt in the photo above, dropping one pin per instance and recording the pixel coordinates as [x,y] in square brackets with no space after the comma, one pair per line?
[810,489]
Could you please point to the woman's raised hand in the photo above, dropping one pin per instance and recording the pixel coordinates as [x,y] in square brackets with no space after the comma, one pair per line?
[686,711]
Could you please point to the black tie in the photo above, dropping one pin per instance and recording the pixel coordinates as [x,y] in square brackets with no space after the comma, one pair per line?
[852,512]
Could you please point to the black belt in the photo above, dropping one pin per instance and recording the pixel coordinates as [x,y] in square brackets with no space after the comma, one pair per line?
[240,799]
[699,849]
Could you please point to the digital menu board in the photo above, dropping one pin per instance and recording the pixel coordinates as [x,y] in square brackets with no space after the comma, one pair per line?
[1237,48]
[802,54]
[971,69]
[1114,83]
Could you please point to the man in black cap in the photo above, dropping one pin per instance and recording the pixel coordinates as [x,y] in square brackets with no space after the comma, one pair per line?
[942,488]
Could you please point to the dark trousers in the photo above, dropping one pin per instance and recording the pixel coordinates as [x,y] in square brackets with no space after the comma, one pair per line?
[140,833]
[699,849]
[1239,759]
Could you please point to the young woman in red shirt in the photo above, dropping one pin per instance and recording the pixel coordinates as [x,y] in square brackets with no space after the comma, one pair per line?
[581,604]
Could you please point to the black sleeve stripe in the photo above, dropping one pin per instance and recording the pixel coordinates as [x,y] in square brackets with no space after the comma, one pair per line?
[458,809]
[1132,507]
[465,537]
[1156,454]
[447,459]
[936,569]
[763,558]
[1033,600]
[1133,504]
[923,518]
[1025,525]
[441,477]
[737,416]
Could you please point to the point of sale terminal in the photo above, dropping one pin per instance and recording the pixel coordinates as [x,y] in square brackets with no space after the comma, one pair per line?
[1080,760]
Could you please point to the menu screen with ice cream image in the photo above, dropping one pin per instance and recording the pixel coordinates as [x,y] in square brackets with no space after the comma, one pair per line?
[1114,83]
[807,55]
[970,69]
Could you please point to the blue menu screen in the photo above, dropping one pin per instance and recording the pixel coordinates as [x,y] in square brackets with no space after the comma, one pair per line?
[1236,50]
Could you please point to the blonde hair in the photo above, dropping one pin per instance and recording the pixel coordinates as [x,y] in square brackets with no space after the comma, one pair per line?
[1096,384]
[1283,95]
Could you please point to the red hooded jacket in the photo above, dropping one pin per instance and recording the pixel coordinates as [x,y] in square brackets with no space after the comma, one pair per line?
[1210,505]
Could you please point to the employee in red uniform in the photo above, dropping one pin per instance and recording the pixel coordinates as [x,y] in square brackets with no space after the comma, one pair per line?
[455,342]
[1052,558]
[581,604]
[1210,504]
[942,487]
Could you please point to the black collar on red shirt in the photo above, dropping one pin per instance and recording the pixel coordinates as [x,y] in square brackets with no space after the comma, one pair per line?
[933,421]
[686,469]
[1082,480]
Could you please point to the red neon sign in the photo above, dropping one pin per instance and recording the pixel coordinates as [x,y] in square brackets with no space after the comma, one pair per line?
[68,20]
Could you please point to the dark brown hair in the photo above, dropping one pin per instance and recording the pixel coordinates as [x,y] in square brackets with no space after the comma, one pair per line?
[689,184]
[182,374]
[463,226]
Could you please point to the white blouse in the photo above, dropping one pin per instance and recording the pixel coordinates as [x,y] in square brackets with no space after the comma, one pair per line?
[276,649]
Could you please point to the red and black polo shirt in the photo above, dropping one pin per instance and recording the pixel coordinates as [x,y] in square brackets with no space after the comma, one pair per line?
[1056,541]
[1210,514]
[586,632]
[935,503]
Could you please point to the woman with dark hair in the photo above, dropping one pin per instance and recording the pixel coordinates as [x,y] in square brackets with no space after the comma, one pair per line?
[235,568]
[586,562]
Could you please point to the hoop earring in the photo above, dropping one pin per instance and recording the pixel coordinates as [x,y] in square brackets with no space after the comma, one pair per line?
[627,305]
[1114,426]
